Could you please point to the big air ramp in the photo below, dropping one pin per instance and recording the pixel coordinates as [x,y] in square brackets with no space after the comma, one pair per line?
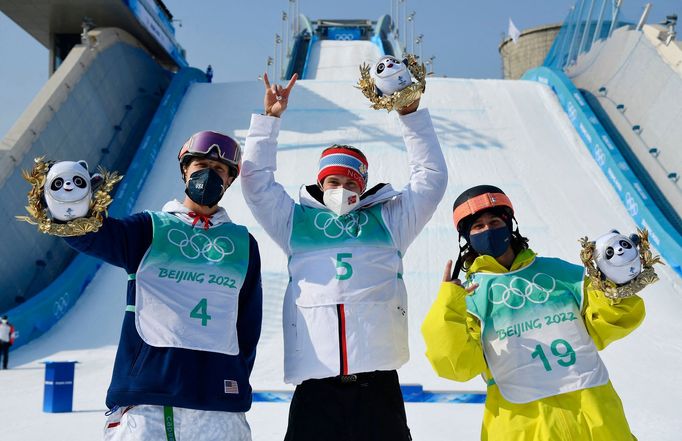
[512,134]
[338,59]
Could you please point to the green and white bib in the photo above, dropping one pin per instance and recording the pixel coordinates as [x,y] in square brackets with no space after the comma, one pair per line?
[534,339]
[342,259]
[188,285]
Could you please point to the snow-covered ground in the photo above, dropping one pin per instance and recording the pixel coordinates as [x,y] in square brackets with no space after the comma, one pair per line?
[508,133]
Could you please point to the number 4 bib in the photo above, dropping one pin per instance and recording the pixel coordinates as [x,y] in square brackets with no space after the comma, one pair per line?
[534,338]
[188,283]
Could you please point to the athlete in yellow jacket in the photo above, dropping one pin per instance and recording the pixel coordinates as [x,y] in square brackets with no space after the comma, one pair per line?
[542,327]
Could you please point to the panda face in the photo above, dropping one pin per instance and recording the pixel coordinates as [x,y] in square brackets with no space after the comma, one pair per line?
[620,252]
[390,75]
[617,257]
[68,183]
[388,66]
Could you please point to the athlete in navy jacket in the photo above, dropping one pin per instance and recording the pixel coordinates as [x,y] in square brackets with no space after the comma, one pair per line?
[194,307]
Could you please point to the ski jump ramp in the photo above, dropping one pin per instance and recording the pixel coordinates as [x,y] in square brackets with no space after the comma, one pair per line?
[512,134]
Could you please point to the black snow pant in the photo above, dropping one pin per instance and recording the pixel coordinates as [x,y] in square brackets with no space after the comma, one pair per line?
[361,407]
[4,353]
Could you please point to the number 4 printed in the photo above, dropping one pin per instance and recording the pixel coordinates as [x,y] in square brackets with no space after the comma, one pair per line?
[201,312]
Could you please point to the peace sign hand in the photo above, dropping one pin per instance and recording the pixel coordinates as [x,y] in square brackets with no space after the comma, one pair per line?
[276,97]
[447,277]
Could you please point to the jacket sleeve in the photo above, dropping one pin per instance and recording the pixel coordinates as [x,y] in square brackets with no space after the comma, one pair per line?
[407,214]
[609,320]
[120,242]
[250,307]
[268,201]
[453,336]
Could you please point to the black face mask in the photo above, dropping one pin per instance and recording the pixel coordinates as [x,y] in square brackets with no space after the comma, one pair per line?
[205,187]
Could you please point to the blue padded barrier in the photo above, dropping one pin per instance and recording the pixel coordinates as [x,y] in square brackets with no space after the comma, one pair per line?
[45,309]
[639,204]
[412,393]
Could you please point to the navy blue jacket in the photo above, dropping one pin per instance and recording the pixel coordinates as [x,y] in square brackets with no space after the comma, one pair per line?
[192,379]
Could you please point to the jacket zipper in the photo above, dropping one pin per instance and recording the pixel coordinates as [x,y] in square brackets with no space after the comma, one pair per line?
[343,354]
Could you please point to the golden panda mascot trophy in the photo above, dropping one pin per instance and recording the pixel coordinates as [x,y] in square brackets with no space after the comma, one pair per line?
[389,83]
[619,265]
[65,200]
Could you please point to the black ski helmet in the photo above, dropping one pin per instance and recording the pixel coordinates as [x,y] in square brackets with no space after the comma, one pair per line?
[472,203]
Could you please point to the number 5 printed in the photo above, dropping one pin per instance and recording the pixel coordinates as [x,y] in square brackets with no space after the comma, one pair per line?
[344,270]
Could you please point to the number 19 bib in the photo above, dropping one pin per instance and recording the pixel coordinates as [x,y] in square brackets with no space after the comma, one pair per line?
[534,338]
[188,286]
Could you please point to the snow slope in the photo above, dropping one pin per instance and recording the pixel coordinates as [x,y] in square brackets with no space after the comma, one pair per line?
[508,133]
[339,59]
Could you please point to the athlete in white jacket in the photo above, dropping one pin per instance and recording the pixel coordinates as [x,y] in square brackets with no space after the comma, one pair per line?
[345,308]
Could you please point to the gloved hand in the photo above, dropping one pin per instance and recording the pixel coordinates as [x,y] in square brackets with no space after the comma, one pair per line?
[617,256]
[68,189]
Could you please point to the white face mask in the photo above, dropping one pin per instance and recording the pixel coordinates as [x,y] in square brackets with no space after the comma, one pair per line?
[340,201]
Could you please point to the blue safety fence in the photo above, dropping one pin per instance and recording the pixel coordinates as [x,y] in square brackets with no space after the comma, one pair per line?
[37,315]
[638,202]
[587,22]
[412,393]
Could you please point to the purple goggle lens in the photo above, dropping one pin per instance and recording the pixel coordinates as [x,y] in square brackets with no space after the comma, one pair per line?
[209,144]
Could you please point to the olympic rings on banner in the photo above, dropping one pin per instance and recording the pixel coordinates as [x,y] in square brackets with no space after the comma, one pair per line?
[521,290]
[345,37]
[200,244]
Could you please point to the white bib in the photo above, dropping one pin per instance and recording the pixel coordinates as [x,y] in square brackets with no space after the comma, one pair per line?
[342,259]
[534,339]
[188,284]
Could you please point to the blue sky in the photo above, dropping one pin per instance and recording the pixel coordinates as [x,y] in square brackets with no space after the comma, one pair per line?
[237,37]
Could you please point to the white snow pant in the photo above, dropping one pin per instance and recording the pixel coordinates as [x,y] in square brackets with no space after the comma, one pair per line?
[165,423]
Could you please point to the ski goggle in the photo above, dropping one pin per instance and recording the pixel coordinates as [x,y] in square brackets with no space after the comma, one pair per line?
[213,145]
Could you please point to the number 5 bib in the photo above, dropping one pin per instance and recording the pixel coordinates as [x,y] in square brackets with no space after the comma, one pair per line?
[188,283]
[533,335]
[342,259]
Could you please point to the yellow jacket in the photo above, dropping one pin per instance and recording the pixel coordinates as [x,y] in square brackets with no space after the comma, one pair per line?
[453,347]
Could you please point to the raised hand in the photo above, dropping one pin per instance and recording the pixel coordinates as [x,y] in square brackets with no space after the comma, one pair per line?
[447,277]
[277,97]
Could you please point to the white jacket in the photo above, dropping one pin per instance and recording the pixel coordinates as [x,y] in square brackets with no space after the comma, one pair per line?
[329,340]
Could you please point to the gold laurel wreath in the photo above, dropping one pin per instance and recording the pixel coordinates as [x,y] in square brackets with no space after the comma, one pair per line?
[399,99]
[631,288]
[38,212]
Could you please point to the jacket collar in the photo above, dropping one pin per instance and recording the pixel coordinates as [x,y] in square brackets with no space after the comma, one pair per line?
[311,196]
[181,212]
[488,264]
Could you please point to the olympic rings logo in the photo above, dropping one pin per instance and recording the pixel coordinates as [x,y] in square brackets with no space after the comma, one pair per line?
[521,290]
[61,305]
[599,156]
[631,204]
[346,37]
[334,227]
[200,244]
